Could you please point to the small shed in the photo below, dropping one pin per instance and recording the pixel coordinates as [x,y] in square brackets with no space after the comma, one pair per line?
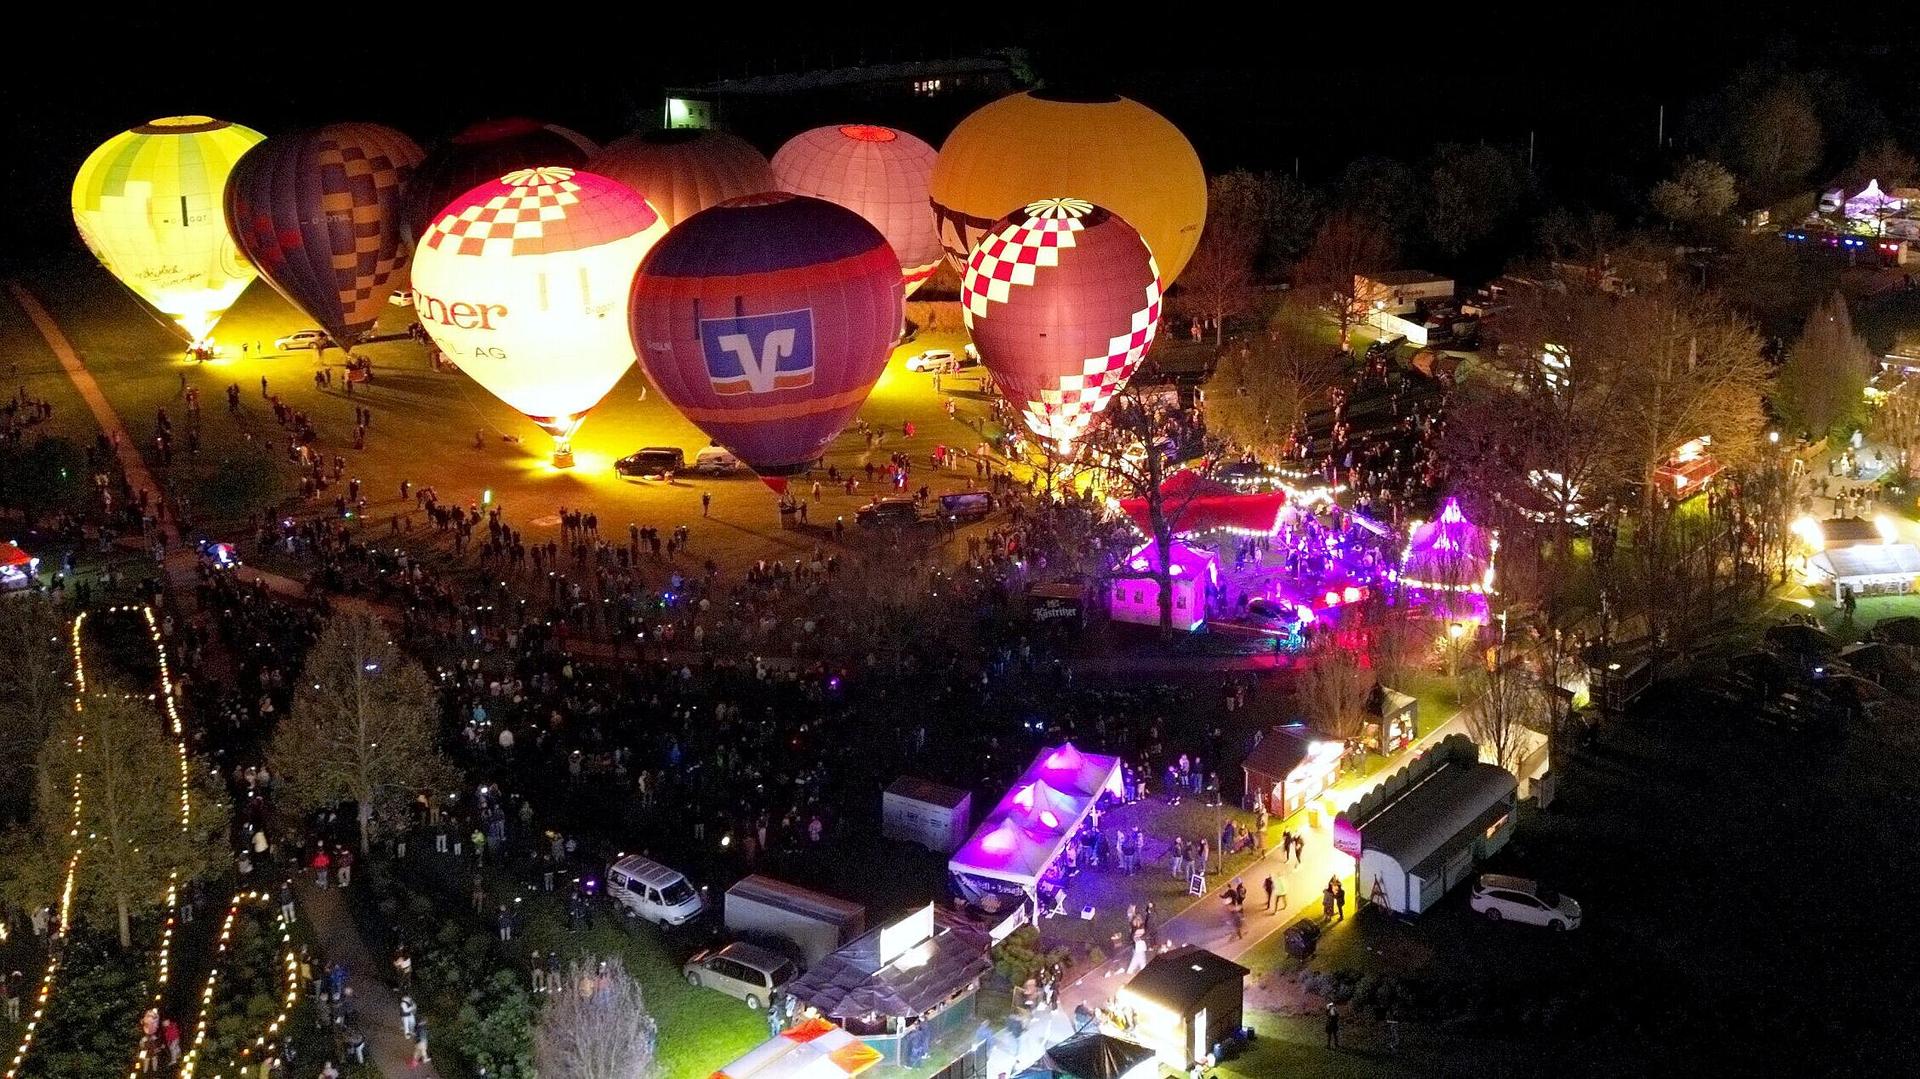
[1393,720]
[1194,573]
[1289,768]
[931,814]
[1869,569]
[1185,1002]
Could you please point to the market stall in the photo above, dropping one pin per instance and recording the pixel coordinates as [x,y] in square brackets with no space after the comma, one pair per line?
[1289,768]
[17,567]
[1183,1004]
[1193,574]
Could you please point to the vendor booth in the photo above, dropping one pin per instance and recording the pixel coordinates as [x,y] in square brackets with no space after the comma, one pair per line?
[1095,1054]
[813,1049]
[906,989]
[1425,828]
[1182,1004]
[1193,574]
[17,568]
[1393,720]
[1289,768]
[1021,849]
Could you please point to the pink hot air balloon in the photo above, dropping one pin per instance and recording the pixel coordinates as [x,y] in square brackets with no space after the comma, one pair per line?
[1062,298]
[877,172]
[766,320]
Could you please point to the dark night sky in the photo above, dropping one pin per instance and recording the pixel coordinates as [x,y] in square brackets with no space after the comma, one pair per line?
[1255,94]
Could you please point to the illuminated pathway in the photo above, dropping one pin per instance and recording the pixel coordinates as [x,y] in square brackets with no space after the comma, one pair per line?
[191,1064]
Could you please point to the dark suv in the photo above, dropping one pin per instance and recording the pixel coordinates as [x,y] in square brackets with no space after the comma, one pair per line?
[887,511]
[652,461]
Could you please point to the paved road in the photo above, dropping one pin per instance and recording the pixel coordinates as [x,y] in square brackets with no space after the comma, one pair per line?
[388,1047]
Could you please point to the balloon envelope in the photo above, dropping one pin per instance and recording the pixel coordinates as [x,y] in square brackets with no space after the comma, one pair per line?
[524,282]
[682,171]
[1108,150]
[147,203]
[766,320]
[486,151]
[877,172]
[1062,299]
[319,213]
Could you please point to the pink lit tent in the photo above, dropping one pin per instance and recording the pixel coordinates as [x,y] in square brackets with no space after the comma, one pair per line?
[1032,824]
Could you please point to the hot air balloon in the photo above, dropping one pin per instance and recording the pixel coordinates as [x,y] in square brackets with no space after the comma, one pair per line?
[525,281]
[1062,298]
[147,203]
[879,173]
[682,171]
[766,320]
[487,151]
[1112,151]
[319,213]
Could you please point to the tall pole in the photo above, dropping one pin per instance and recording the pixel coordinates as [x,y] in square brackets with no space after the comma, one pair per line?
[1660,129]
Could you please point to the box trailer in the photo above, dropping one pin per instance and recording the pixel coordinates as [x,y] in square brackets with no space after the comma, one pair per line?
[768,911]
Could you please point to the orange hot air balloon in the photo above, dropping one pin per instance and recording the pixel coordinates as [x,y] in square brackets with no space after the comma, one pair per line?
[1109,150]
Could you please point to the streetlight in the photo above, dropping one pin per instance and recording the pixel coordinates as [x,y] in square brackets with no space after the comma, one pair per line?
[1454,632]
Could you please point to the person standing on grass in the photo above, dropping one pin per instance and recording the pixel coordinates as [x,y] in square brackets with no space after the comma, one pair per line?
[1333,1026]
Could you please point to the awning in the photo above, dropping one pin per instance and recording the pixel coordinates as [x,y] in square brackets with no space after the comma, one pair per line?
[815,1049]
[1192,503]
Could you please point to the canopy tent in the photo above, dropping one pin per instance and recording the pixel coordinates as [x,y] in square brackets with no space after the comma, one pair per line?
[1872,203]
[1192,504]
[1449,554]
[815,1049]
[856,981]
[16,567]
[1193,573]
[1035,821]
[1093,1054]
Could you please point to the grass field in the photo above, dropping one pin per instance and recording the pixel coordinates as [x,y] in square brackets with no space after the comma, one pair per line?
[425,421]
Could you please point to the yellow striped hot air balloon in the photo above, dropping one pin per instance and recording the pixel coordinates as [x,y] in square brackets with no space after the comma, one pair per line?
[148,205]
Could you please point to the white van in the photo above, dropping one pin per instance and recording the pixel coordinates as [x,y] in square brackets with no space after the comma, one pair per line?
[661,895]
[716,461]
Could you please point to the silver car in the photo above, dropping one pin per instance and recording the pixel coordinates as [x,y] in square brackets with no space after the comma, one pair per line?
[742,971]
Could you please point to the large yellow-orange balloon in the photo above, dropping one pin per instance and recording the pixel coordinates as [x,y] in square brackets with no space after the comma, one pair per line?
[147,203]
[1110,150]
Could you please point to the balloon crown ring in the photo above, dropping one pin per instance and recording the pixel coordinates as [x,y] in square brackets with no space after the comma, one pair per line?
[1059,209]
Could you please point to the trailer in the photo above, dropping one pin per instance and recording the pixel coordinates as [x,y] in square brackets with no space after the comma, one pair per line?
[768,911]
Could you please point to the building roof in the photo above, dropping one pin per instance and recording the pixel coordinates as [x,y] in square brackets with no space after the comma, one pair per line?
[1406,277]
[852,982]
[1434,809]
[1182,978]
[1279,753]
[789,82]
[1848,531]
[797,900]
[1869,560]
[926,790]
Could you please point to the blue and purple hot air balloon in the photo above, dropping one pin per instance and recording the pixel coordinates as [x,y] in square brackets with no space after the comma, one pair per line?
[766,320]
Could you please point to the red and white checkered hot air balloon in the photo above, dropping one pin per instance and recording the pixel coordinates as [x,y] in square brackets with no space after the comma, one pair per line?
[524,282]
[877,172]
[1062,298]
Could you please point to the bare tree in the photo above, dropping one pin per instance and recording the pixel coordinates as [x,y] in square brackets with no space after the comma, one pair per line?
[35,691]
[1261,389]
[362,725]
[1349,243]
[1218,279]
[1506,703]
[597,1028]
[1134,452]
[1334,687]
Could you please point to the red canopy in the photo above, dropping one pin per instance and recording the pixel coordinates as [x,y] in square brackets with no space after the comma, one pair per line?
[1194,503]
[12,555]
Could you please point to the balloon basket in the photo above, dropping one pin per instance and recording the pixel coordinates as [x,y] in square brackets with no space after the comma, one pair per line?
[563,457]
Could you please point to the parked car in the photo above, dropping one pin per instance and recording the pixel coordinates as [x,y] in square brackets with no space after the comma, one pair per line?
[402,297]
[743,971]
[716,461]
[887,511]
[934,361]
[315,339]
[660,894]
[971,353]
[652,461]
[1515,899]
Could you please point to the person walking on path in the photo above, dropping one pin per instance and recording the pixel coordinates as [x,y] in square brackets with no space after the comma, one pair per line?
[706,502]
[287,910]
[321,863]
[1267,885]
[343,870]
[408,1011]
[420,1046]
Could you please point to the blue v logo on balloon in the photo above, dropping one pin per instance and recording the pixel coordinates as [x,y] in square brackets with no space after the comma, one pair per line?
[759,353]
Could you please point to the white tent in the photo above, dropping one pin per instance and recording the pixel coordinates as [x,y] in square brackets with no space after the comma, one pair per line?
[1033,823]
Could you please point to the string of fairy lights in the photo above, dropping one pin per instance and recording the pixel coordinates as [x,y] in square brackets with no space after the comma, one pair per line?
[263,1044]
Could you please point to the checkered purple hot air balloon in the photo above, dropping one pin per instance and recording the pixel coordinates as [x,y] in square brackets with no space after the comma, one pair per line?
[1062,299]
[766,320]
[319,214]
